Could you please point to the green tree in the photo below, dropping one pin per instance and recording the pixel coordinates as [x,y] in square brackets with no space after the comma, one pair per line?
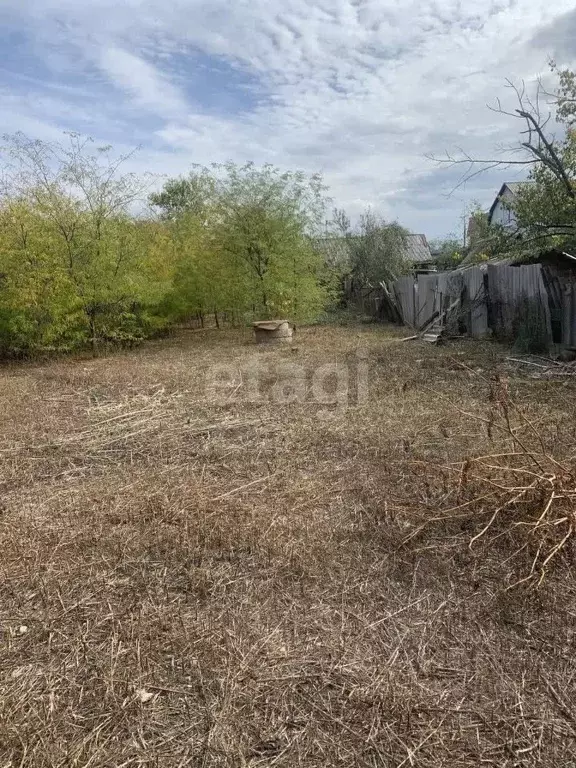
[81,204]
[377,251]
[258,222]
[448,252]
[545,208]
[192,194]
[565,95]
[39,307]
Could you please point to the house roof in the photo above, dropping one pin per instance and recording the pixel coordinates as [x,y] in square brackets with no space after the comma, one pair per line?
[513,187]
[417,249]
[334,248]
[337,248]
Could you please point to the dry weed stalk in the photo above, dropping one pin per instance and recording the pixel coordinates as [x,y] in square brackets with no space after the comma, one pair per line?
[523,497]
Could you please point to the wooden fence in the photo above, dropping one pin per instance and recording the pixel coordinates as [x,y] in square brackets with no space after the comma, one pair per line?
[479,300]
[569,315]
[429,296]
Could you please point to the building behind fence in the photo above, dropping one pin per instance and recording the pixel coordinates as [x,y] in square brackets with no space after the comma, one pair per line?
[493,299]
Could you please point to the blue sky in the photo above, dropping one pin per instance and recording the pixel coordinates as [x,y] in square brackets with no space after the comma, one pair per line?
[361,90]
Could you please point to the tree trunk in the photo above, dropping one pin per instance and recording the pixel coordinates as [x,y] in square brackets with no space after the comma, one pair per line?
[93,338]
[216,318]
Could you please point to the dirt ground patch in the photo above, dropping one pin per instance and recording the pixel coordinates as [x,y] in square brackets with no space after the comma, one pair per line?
[220,555]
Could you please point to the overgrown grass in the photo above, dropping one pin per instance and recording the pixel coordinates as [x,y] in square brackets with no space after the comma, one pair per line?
[191,576]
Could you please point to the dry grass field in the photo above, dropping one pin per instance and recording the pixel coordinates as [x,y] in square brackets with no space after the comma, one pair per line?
[208,566]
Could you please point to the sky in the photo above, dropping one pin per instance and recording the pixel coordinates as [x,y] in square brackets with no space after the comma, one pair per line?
[362,91]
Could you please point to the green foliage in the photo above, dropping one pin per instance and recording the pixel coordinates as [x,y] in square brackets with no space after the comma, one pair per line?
[79,268]
[545,207]
[248,251]
[449,253]
[192,194]
[565,95]
[377,251]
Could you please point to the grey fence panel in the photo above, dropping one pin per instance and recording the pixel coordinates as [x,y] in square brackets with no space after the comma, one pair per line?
[427,299]
[569,315]
[509,286]
[478,321]
[405,292]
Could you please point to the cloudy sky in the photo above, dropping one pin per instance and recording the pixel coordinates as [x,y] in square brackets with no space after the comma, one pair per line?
[361,90]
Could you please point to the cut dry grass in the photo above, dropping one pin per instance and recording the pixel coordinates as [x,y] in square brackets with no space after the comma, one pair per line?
[191,577]
[520,501]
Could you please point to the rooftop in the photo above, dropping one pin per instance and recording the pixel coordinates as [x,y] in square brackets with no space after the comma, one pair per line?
[337,248]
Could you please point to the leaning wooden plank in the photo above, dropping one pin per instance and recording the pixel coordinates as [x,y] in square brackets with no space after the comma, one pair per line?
[438,320]
[528,362]
[394,309]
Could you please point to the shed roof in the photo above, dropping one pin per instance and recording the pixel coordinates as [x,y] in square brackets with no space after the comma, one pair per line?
[417,249]
[337,248]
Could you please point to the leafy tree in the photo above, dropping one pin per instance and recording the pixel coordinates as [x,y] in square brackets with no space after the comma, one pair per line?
[485,240]
[449,252]
[258,221]
[479,230]
[545,209]
[565,95]
[81,204]
[341,222]
[192,194]
[377,251]
[39,307]
[79,263]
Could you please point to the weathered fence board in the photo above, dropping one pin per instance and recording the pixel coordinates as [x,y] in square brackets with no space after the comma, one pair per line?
[491,300]
[405,292]
[474,281]
[427,299]
[569,315]
[509,286]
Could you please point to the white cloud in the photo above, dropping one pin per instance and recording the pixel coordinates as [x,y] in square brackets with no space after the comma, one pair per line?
[147,87]
[360,89]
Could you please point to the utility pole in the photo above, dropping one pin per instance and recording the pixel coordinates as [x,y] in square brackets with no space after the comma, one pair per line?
[464,218]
